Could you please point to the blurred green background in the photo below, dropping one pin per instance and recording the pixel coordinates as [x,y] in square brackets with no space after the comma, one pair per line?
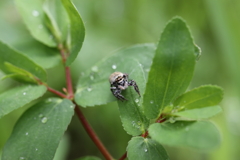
[113,24]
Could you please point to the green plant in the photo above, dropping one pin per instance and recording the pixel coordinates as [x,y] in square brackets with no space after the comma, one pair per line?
[164,114]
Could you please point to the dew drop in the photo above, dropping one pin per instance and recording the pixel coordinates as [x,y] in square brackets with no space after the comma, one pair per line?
[137,100]
[21,158]
[91,77]
[172,120]
[145,150]
[72,106]
[44,120]
[95,69]
[40,115]
[36,149]
[89,89]
[114,66]
[35,13]
[151,101]
[26,133]
[186,129]
[24,93]
[133,123]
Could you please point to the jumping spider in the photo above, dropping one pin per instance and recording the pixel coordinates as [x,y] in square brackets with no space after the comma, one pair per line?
[119,81]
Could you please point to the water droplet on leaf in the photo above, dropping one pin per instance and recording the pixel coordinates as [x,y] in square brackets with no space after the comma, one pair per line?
[172,120]
[95,69]
[26,133]
[91,77]
[137,100]
[114,66]
[151,101]
[35,13]
[24,93]
[145,150]
[89,89]
[44,120]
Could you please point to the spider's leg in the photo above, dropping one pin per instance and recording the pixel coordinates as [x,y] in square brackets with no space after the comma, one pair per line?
[134,84]
[117,93]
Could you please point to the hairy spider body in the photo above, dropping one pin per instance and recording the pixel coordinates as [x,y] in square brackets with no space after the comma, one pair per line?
[119,81]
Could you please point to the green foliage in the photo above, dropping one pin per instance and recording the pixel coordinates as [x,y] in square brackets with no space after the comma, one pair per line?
[199,113]
[13,62]
[57,19]
[93,87]
[34,17]
[39,130]
[172,68]
[18,97]
[142,149]
[131,112]
[200,135]
[77,31]
[162,114]
[203,96]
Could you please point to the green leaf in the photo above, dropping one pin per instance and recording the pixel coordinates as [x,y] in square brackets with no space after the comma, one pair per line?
[131,111]
[200,135]
[39,130]
[58,19]
[172,68]
[203,96]
[77,31]
[43,55]
[20,61]
[88,158]
[198,52]
[34,18]
[93,86]
[18,97]
[145,149]
[200,113]
[19,74]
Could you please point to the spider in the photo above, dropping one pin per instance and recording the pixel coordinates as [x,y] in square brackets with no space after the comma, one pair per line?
[119,81]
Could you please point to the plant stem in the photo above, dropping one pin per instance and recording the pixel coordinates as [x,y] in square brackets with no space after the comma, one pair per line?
[78,112]
[92,134]
[56,92]
[123,156]
[69,83]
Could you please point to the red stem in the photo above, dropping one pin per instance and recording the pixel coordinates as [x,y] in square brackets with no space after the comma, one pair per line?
[92,134]
[56,92]
[123,156]
[79,113]
[69,82]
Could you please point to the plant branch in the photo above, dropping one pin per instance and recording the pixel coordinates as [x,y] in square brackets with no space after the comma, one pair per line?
[69,83]
[123,156]
[78,112]
[56,92]
[92,134]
